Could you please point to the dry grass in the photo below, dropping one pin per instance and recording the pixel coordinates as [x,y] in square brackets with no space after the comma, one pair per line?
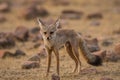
[10,68]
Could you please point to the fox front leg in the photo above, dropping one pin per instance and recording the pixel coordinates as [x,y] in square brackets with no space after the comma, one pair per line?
[49,51]
[57,59]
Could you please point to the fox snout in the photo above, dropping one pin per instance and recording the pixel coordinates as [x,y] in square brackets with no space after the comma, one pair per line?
[48,38]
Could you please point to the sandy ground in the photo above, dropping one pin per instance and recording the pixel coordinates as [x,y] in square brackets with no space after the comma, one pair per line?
[10,68]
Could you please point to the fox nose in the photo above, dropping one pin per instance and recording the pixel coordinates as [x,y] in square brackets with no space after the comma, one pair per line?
[48,38]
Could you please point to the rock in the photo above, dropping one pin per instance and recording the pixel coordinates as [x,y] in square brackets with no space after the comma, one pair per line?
[55,77]
[35,58]
[42,53]
[21,33]
[71,14]
[33,12]
[39,55]
[88,70]
[3,43]
[2,53]
[92,44]
[61,2]
[42,12]
[7,40]
[30,64]
[35,30]
[34,34]
[106,78]
[117,49]
[95,16]
[37,45]
[2,18]
[107,42]
[4,7]
[35,37]
[117,31]
[19,53]
[10,39]
[7,54]
[101,54]
[117,3]
[111,56]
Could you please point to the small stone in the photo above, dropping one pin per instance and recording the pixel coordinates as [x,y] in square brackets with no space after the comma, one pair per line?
[117,49]
[55,77]
[34,11]
[106,78]
[89,70]
[6,40]
[21,33]
[19,53]
[95,16]
[30,64]
[107,42]
[8,54]
[35,58]
[71,14]
[2,53]
[92,44]
[4,7]
[2,18]
[42,52]
[117,31]
[111,56]
[34,35]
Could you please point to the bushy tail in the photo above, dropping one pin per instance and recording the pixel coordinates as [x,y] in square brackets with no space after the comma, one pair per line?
[90,58]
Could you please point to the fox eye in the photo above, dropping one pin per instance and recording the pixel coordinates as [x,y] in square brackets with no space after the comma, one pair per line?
[51,32]
[45,32]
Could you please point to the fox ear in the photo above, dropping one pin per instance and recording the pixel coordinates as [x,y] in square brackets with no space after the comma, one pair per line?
[57,23]
[41,24]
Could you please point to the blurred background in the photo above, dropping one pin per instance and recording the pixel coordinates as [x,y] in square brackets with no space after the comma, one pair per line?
[91,18]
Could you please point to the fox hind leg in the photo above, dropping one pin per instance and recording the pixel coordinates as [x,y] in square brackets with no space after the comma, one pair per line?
[75,47]
[71,54]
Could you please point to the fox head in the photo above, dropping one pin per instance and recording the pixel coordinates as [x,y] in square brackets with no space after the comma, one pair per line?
[49,31]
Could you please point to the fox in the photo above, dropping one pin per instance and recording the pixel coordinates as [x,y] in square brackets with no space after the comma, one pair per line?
[55,37]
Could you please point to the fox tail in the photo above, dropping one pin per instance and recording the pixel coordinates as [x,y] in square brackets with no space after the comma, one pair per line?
[90,58]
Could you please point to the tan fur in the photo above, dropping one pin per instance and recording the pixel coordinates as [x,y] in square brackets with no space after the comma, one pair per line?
[55,38]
